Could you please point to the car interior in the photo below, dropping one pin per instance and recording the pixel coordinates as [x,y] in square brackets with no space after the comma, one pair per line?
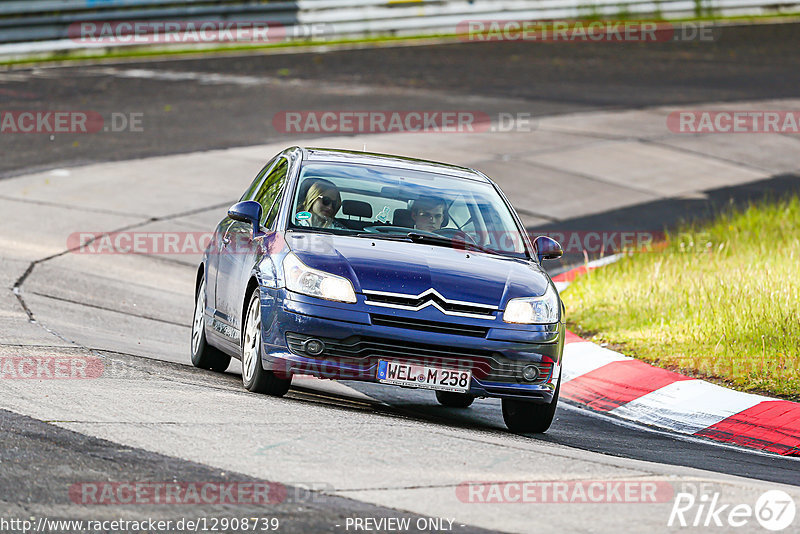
[358,214]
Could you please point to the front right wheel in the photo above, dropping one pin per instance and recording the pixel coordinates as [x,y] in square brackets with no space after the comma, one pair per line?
[254,377]
[525,417]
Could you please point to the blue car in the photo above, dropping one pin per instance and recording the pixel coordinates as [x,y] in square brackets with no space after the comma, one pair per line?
[378,268]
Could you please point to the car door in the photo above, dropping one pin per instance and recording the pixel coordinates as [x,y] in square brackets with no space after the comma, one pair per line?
[212,260]
[238,253]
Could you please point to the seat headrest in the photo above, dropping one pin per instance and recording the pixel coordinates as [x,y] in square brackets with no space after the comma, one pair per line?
[357,208]
[402,217]
[304,187]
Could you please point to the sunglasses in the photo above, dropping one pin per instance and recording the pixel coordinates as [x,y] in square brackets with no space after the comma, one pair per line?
[327,201]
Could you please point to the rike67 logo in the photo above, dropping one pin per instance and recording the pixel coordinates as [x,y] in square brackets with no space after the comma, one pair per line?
[774,510]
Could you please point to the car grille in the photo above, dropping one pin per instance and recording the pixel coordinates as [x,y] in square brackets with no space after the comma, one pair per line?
[429,326]
[364,352]
[429,298]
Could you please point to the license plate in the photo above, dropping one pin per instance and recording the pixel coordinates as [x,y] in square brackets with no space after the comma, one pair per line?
[423,376]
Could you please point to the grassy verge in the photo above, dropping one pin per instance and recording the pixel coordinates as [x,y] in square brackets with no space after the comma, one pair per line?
[719,301]
[153,51]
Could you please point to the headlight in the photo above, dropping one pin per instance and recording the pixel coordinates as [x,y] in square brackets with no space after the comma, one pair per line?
[533,310]
[301,278]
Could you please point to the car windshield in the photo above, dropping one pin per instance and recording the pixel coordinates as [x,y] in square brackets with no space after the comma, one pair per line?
[391,203]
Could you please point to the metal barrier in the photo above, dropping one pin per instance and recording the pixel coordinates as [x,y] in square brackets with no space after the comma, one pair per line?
[40,20]
[47,24]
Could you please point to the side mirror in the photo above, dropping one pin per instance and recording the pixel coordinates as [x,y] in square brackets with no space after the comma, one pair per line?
[248,211]
[547,248]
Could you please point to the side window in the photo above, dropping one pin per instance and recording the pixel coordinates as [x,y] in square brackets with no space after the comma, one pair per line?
[272,214]
[251,191]
[271,188]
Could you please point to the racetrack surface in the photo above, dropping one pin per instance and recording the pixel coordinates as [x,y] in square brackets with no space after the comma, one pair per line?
[68,457]
[392,448]
[219,102]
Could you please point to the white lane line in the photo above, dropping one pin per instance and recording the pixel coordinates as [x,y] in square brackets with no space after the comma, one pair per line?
[561,285]
[687,406]
[213,78]
[608,260]
[179,76]
[583,357]
[14,76]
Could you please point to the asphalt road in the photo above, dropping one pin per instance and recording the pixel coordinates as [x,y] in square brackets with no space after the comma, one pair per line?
[191,112]
[196,104]
[42,462]
[582,429]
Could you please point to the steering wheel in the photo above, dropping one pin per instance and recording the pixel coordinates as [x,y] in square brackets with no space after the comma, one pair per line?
[456,235]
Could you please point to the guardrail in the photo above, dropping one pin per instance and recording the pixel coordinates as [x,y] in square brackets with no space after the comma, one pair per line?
[40,20]
[46,24]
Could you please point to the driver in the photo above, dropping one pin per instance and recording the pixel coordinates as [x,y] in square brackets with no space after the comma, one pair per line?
[428,213]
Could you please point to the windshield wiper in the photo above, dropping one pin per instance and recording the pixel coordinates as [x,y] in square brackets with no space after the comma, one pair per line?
[318,230]
[430,239]
[389,237]
[446,241]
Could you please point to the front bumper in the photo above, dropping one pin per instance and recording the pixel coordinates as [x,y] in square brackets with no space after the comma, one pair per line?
[354,344]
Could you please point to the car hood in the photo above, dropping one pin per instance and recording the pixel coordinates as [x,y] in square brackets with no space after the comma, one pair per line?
[413,268]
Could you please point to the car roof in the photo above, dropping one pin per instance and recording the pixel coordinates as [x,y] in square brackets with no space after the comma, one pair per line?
[388,160]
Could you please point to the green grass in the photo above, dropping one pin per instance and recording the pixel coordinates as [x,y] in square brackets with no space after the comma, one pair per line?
[718,301]
[134,52]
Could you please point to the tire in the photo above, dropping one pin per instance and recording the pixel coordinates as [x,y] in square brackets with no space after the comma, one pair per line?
[254,377]
[454,400]
[525,417]
[204,355]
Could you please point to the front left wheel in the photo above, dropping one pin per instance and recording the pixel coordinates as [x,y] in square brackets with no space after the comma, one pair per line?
[254,377]
[525,417]
[204,355]
[454,400]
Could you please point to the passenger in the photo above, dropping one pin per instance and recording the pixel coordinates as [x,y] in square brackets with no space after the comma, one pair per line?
[322,202]
[428,213]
